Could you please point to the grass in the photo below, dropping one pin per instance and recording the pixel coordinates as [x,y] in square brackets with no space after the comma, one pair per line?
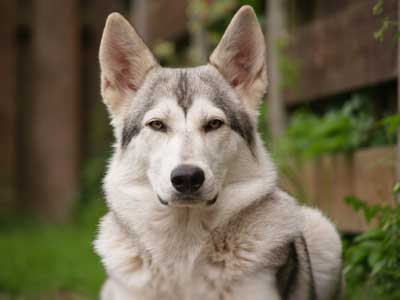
[46,262]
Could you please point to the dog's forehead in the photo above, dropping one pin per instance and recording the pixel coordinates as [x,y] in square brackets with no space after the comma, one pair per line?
[184,86]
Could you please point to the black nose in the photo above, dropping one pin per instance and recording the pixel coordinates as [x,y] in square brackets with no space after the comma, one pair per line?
[187,178]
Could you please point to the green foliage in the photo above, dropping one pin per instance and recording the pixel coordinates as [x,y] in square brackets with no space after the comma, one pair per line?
[386,23]
[391,124]
[45,262]
[340,130]
[372,259]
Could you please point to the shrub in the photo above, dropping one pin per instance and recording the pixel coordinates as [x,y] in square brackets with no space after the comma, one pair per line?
[372,259]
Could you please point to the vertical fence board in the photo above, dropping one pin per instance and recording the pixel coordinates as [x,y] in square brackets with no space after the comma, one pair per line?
[55,118]
[368,174]
[276,34]
[8,104]
[159,20]
[97,131]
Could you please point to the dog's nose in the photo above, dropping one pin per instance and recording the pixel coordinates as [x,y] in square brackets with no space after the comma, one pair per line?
[187,178]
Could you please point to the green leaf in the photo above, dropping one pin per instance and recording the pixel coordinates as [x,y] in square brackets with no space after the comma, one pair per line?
[396,188]
[372,234]
[377,9]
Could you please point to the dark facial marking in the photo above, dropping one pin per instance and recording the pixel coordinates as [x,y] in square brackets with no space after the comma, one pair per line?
[128,132]
[183,93]
[132,124]
[239,120]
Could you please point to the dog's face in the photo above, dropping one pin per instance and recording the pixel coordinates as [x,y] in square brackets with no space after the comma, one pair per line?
[179,130]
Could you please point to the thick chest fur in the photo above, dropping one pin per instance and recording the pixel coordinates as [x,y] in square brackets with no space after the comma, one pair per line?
[229,261]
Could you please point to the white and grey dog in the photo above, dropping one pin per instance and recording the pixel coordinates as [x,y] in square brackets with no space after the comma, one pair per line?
[194,207]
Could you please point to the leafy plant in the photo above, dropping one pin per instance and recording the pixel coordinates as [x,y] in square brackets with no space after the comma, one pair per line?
[386,22]
[372,259]
[340,130]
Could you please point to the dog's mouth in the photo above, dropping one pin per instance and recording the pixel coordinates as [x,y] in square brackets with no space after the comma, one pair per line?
[187,201]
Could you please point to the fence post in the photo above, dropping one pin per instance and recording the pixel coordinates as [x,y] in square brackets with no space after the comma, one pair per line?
[398,102]
[276,32]
[8,105]
[96,131]
[55,116]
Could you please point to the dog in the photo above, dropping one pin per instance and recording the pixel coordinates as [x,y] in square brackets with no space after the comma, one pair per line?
[194,209]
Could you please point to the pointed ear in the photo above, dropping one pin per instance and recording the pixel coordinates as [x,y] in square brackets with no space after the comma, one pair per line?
[124,61]
[240,56]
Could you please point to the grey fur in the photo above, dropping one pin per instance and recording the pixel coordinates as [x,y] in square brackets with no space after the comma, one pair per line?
[239,120]
[132,124]
[185,85]
[255,242]
[183,92]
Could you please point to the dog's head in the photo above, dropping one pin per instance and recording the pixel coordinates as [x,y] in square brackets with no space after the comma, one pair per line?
[179,131]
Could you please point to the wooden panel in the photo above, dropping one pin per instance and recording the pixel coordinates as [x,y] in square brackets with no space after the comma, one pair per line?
[55,116]
[96,129]
[325,182]
[339,53]
[8,104]
[159,20]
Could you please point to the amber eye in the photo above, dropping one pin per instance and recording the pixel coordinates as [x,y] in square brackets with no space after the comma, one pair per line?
[157,125]
[213,124]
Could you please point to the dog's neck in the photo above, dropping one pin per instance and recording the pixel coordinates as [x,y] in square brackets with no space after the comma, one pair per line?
[164,229]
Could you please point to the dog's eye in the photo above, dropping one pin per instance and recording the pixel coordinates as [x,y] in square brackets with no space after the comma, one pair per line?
[157,125]
[213,124]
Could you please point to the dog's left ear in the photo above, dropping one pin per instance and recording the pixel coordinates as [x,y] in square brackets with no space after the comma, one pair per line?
[240,57]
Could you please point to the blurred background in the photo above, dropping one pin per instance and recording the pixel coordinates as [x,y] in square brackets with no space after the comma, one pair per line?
[330,119]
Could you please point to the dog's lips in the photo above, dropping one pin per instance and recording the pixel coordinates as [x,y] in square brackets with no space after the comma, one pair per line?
[185,203]
[163,202]
[212,201]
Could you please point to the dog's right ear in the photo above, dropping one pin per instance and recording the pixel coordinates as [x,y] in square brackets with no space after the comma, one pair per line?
[124,61]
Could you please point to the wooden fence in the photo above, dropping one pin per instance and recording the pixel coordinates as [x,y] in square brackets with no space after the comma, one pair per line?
[52,118]
[333,43]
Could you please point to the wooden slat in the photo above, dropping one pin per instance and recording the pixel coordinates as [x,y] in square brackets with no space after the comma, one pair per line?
[368,174]
[97,131]
[339,53]
[8,104]
[159,20]
[55,116]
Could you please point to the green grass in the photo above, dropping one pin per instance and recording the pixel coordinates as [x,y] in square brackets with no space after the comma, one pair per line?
[46,262]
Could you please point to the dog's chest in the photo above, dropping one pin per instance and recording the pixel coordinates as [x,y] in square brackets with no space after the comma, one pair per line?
[226,263]
[214,269]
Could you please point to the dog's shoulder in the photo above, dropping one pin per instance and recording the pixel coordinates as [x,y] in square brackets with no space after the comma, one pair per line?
[257,237]
[120,251]
[113,241]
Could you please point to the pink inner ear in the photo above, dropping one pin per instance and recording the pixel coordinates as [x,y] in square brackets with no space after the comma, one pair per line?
[235,82]
[121,76]
[242,68]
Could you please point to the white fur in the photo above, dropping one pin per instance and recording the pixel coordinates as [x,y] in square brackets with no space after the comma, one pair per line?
[189,250]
